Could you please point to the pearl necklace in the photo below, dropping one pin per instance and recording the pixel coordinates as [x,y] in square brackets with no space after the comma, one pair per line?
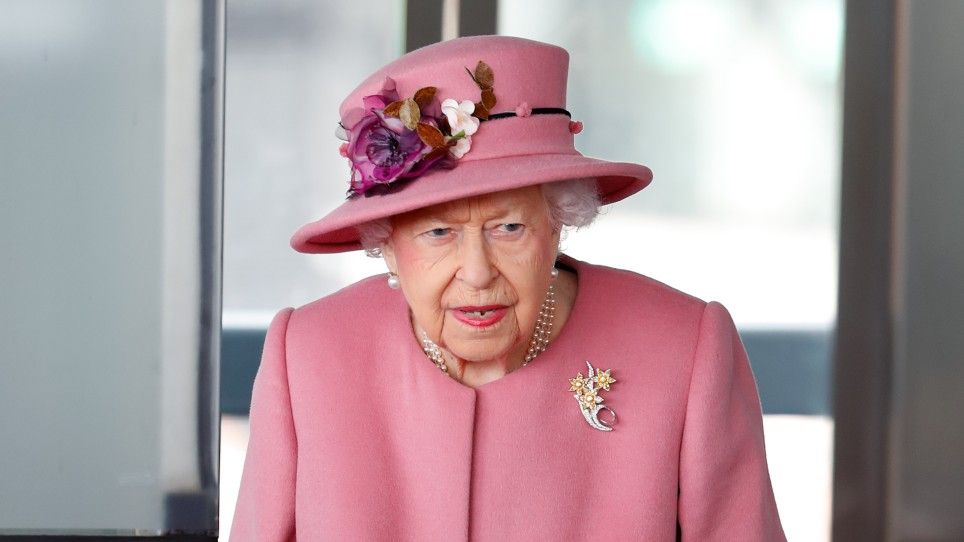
[539,342]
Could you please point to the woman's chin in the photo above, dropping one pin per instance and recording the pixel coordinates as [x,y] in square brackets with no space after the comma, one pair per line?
[481,344]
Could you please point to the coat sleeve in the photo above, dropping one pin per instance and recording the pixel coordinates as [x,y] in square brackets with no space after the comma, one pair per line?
[265,509]
[725,491]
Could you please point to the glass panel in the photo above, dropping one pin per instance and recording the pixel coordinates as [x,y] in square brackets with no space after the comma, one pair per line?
[110,207]
[734,104]
[290,64]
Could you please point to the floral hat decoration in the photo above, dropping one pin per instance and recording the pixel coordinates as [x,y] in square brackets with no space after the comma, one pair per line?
[392,139]
[431,127]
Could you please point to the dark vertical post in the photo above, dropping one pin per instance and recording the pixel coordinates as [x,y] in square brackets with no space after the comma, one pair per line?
[210,246]
[423,23]
[478,17]
[863,352]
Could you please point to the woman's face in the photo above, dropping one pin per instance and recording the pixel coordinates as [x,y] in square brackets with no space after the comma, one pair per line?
[475,271]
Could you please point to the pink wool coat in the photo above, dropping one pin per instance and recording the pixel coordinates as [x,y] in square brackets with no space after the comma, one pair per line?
[356,435]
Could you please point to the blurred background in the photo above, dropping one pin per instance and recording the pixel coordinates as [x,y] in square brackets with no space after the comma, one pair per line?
[156,157]
[735,105]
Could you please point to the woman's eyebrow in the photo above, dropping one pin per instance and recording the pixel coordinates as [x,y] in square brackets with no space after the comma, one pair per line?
[515,213]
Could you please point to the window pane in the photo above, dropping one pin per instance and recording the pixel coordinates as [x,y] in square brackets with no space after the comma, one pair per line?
[289,66]
[734,105]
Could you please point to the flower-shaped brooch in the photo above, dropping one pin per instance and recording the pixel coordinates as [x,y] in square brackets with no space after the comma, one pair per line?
[587,389]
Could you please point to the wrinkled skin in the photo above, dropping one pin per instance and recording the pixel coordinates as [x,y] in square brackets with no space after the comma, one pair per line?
[495,249]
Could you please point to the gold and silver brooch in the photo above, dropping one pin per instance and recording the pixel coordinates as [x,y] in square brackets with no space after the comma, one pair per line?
[587,390]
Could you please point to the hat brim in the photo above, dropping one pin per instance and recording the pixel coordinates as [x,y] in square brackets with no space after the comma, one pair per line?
[336,232]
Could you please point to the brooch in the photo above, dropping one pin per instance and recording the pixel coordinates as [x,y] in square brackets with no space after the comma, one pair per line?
[587,395]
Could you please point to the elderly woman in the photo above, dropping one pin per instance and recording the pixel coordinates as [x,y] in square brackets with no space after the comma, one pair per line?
[472,392]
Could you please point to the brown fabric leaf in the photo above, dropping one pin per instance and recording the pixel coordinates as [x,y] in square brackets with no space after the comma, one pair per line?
[488,98]
[483,75]
[481,111]
[409,113]
[435,153]
[424,96]
[430,135]
[391,110]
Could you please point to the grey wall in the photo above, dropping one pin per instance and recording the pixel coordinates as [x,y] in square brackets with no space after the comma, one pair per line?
[108,304]
[928,452]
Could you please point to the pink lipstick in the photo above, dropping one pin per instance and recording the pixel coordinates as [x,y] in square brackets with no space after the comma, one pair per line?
[480,316]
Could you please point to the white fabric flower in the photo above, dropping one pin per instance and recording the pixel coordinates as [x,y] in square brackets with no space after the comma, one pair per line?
[461,147]
[460,116]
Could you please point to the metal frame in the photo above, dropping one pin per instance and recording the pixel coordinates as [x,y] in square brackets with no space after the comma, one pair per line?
[863,351]
[424,20]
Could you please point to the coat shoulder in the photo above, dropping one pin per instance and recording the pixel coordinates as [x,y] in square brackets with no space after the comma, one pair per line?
[627,292]
[358,322]
[347,308]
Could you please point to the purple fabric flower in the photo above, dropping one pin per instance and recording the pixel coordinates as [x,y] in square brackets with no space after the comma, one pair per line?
[382,149]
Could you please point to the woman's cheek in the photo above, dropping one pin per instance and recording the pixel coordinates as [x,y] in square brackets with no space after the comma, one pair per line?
[427,283]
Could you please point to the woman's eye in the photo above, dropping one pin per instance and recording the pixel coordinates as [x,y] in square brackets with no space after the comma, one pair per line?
[438,232]
[511,228]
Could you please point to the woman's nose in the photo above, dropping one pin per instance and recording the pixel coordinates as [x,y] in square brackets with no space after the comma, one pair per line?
[477,269]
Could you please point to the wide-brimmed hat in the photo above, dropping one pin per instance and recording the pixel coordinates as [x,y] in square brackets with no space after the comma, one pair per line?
[455,119]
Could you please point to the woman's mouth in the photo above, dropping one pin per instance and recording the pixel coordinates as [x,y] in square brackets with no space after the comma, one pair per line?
[480,316]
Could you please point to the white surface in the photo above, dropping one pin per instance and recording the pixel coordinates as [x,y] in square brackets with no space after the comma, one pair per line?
[767,277]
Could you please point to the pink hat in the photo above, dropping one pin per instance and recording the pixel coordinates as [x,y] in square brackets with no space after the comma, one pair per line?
[456,119]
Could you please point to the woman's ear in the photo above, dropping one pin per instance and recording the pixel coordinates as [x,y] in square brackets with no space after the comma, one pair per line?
[388,253]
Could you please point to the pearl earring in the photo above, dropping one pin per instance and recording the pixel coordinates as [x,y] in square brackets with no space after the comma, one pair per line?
[554,273]
[393,281]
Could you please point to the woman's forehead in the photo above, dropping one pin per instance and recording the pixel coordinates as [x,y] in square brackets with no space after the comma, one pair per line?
[526,200]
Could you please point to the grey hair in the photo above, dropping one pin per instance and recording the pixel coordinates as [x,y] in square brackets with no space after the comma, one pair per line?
[373,236]
[573,203]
